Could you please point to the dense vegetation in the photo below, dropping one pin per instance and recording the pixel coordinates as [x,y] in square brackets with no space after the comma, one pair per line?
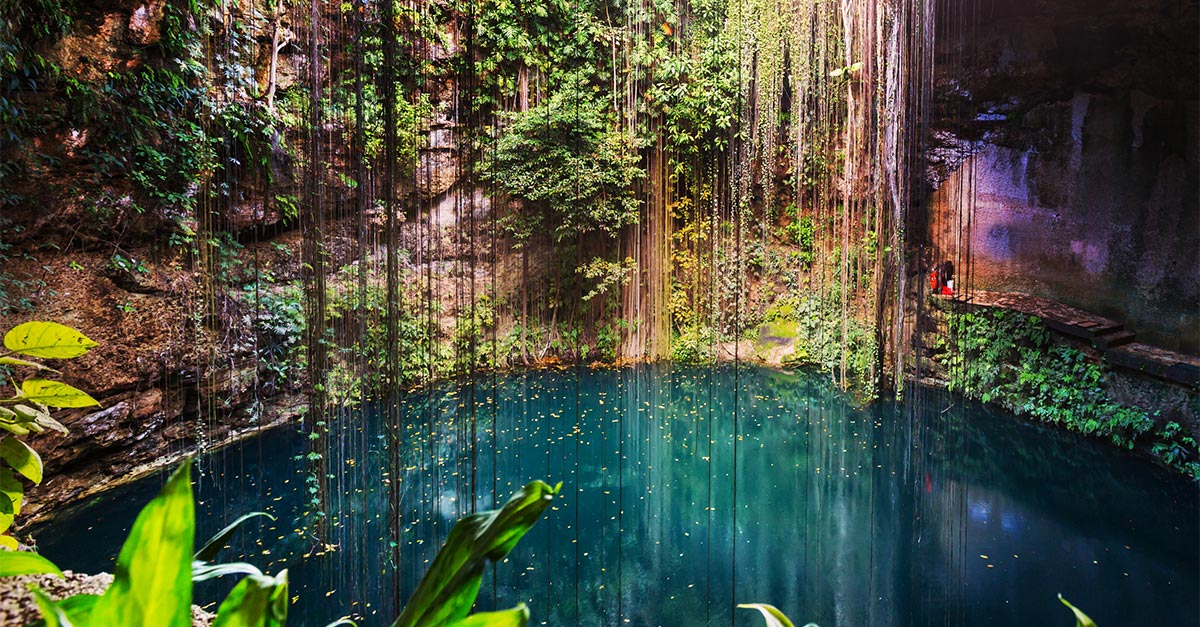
[1013,361]
[645,162]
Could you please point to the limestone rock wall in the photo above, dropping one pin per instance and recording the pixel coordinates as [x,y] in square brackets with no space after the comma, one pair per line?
[1074,169]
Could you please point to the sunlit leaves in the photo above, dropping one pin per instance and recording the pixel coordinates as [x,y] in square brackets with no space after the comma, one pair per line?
[21,458]
[770,614]
[515,617]
[47,340]
[55,394]
[256,601]
[152,583]
[13,563]
[1081,619]
[12,490]
[448,590]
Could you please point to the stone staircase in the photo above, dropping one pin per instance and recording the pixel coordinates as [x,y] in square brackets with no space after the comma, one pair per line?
[1110,337]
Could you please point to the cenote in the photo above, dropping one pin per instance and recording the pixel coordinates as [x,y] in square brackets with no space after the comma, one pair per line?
[689,490]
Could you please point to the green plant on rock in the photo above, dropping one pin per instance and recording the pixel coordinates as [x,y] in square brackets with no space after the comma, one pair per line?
[823,341]
[568,162]
[800,232]
[1010,360]
[28,410]
[696,344]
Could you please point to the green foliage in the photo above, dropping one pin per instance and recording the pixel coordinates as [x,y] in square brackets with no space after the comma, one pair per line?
[448,590]
[566,160]
[519,42]
[28,410]
[470,325]
[799,231]
[1081,619]
[256,601]
[776,618]
[48,340]
[15,290]
[608,340]
[606,275]
[697,94]
[771,614]
[280,323]
[1009,359]
[14,563]
[152,583]
[696,344]
[515,617]
[825,336]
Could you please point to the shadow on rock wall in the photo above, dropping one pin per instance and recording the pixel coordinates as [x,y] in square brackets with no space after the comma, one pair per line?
[1078,175]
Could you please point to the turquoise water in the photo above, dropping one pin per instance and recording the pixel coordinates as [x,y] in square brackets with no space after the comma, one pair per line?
[687,491]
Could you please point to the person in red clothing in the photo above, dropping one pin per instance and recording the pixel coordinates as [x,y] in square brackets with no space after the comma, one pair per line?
[941,280]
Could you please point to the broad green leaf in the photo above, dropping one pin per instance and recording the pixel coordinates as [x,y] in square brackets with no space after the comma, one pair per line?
[152,582]
[771,614]
[516,617]
[448,590]
[55,394]
[52,614]
[77,608]
[11,487]
[218,541]
[13,361]
[1081,619]
[22,458]
[14,563]
[256,601]
[9,542]
[47,339]
[203,571]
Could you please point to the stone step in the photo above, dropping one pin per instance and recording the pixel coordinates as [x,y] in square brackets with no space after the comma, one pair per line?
[1113,339]
[1086,329]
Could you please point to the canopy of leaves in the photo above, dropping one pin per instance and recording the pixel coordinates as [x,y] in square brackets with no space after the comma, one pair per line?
[565,158]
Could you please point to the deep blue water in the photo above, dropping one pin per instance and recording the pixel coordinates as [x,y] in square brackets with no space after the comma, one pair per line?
[689,490]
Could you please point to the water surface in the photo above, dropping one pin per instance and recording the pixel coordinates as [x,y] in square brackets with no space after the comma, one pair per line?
[686,491]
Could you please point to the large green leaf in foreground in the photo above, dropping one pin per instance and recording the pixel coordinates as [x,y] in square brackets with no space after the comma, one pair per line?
[1081,619]
[14,563]
[256,601]
[152,584]
[447,592]
[516,617]
[21,458]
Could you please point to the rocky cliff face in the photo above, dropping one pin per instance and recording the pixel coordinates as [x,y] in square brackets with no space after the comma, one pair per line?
[1067,164]
[151,193]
